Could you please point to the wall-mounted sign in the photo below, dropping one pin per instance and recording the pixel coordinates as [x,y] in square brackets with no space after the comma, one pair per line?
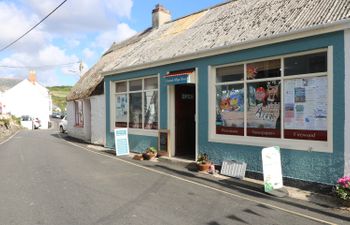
[180,77]
[272,169]
[163,137]
[121,141]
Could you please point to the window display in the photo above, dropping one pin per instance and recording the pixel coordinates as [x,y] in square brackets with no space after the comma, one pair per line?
[264,69]
[249,102]
[121,111]
[136,103]
[230,109]
[264,106]
[305,103]
[151,109]
[135,106]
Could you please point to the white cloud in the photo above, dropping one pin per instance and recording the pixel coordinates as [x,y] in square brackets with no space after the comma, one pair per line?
[122,32]
[72,43]
[88,53]
[121,7]
[77,29]
[17,23]
[52,55]
[82,16]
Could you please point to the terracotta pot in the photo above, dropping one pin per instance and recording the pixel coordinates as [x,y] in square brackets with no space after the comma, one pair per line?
[203,166]
[149,155]
[344,203]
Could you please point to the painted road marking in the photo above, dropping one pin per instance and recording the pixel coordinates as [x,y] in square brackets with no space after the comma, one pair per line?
[205,186]
[9,138]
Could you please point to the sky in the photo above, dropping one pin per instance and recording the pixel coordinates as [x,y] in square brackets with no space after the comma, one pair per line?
[78,31]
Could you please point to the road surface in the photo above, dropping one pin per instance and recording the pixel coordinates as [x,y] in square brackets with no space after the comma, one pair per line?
[47,180]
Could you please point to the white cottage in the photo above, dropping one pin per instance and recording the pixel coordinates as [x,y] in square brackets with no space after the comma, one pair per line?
[28,97]
[86,105]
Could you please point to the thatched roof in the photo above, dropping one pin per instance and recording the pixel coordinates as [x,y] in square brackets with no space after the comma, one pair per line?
[227,24]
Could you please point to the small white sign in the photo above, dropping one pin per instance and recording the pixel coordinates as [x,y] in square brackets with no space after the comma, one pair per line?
[121,141]
[272,168]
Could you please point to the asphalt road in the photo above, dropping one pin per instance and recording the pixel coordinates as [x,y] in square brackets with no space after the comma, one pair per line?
[47,180]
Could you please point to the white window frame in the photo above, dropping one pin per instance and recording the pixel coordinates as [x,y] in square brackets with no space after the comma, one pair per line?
[294,144]
[79,120]
[113,94]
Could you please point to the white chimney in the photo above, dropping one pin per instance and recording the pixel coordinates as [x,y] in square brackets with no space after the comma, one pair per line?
[160,15]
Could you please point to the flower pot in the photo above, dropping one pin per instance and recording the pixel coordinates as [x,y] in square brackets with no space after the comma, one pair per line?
[344,203]
[149,155]
[203,166]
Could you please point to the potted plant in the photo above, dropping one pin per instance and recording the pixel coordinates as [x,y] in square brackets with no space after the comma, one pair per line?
[342,190]
[150,153]
[203,163]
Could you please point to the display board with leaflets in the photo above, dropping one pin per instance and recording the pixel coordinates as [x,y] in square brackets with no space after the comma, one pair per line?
[272,168]
[305,102]
[121,141]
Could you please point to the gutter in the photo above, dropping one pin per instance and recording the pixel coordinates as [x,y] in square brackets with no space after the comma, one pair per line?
[305,32]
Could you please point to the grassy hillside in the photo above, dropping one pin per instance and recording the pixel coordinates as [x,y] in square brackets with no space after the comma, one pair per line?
[59,94]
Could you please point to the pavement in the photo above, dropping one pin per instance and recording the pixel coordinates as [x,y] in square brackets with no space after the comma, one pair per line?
[187,168]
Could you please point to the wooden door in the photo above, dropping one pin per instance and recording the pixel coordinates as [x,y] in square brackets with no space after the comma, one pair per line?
[185,125]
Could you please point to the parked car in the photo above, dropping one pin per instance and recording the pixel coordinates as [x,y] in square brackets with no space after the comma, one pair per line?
[63,125]
[27,122]
[36,123]
[56,115]
[63,114]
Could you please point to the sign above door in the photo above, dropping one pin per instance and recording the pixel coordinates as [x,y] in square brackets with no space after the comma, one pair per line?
[180,77]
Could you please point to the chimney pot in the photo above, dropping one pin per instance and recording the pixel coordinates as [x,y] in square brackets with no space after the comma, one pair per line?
[32,77]
[160,15]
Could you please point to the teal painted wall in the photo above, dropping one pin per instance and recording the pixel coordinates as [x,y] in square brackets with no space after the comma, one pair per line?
[308,166]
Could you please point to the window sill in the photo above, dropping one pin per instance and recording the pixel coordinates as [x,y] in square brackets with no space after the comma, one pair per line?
[79,126]
[303,145]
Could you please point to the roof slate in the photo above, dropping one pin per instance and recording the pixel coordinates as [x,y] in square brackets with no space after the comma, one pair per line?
[234,22]
[8,83]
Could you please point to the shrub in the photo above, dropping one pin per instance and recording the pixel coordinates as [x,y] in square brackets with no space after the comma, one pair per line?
[152,150]
[16,120]
[5,122]
[203,158]
[342,188]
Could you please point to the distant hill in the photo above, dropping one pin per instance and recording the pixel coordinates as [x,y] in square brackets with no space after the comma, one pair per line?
[59,94]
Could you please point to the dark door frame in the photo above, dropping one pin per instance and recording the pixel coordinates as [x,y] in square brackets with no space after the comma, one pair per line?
[185,122]
[171,116]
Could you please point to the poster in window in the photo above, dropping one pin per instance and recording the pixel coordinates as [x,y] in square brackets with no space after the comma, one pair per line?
[264,106]
[135,106]
[230,109]
[151,109]
[305,104]
[121,111]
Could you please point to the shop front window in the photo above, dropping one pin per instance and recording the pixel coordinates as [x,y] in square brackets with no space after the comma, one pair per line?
[264,109]
[136,103]
[305,105]
[135,106]
[230,100]
[121,119]
[281,98]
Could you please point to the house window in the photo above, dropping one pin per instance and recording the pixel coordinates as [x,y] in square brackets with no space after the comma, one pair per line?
[136,103]
[274,100]
[79,115]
